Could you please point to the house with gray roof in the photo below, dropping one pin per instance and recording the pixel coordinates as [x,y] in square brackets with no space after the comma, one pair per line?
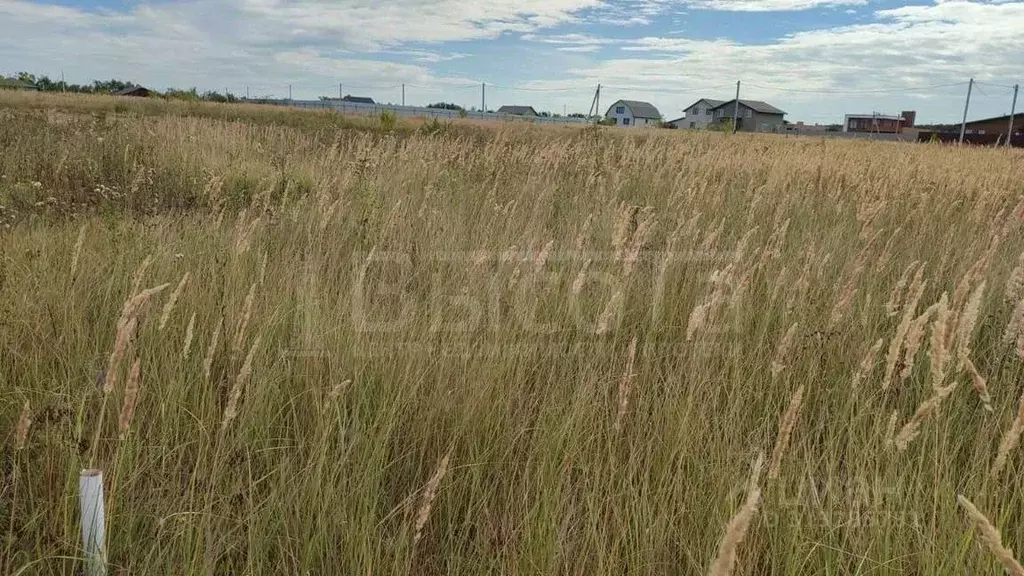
[15,84]
[698,115]
[518,110]
[754,116]
[633,113]
[137,91]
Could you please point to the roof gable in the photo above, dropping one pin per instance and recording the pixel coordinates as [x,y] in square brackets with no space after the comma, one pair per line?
[755,105]
[638,108]
[15,83]
[710,102]
[518,110]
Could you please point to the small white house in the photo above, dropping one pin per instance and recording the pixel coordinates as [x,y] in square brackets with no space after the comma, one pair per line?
[631,113]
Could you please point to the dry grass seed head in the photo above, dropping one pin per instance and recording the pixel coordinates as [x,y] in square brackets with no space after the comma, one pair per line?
[786,425]
[584,233]
[211,350]
[980,386]
[892,307]
[77,252]
[131,396]
[967,321]
[890,430]
[542,258]
[626,385]
[1015,327]
[736,530]
[912,428]
[243,323]
[623,229]
[21,429]
[122,341]
[231,410]
[610,313]
[169,306]
[991,537]
[867,363]
[140,274]
[938,353]
[782,350]
[429,494]
[896,344]
[1015,283]
[1010,439]
[912,341]
[189,334]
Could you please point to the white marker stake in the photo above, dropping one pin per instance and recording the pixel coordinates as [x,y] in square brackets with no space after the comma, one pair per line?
[90,492]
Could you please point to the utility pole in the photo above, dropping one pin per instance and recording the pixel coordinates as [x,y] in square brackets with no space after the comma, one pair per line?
[63,85]
[597,108]
[246,92]
[339,91]
[736,109]
[289,92]
[1013,110]
[967,105]
[403,93]
[483,97]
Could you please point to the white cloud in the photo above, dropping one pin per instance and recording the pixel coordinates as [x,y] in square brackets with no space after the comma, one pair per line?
[816,75]
[768,5]
[370,24]
[314,44]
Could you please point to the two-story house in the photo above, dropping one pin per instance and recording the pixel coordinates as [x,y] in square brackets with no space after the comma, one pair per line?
[633,113]
[753,116]
[697,115]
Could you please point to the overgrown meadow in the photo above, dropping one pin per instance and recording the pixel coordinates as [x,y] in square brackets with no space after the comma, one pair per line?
[298,343]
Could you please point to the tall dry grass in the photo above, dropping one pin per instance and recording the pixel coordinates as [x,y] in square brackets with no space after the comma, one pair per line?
[511,350]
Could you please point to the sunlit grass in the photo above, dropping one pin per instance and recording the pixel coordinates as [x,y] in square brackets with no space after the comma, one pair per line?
[509,350]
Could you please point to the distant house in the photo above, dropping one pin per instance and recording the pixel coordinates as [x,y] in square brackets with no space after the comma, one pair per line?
[357,99]
[518,110]
[633,113]
[15,84]
[136,91]
[753,116]
[879,123]
[802,128]
[998,125]
[698,115]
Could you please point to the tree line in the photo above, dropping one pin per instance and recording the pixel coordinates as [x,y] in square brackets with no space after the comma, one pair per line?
[44,83]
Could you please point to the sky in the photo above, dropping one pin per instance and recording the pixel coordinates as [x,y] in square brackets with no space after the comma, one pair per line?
[815,59]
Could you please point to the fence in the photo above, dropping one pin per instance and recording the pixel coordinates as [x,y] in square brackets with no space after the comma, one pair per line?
[1017,141]
[414,111]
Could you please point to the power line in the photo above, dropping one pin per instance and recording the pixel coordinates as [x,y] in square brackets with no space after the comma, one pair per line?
[841,92]
[1007,86]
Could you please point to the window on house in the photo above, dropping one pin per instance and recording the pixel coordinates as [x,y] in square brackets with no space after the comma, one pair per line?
[747,113]
[625,121]
[620,109]
[697,111]
[981,131]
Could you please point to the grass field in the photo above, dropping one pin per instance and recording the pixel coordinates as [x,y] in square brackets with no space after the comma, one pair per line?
[297,343]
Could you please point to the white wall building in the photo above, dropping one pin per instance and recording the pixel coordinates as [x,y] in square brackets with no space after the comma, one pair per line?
[631,113]
[698,115]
